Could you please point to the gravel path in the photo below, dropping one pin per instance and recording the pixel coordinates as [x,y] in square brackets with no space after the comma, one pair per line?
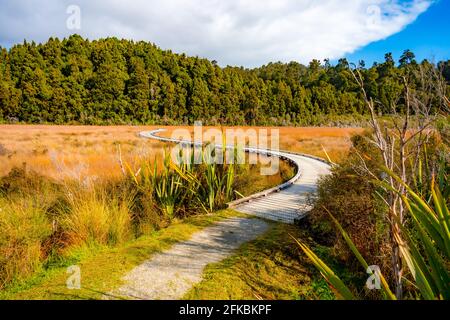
[170,274]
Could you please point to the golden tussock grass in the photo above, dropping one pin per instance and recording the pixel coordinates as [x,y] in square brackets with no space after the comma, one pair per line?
[74,151]
[92,151]
[23,227]
[95,218]
[311,140]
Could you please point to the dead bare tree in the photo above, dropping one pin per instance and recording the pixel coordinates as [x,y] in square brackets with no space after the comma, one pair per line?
[402,141]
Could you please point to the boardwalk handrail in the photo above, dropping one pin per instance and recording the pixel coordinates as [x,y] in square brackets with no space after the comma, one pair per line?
[283,155]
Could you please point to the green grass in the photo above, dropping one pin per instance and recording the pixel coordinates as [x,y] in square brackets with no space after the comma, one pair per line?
[103,267]
[270,267]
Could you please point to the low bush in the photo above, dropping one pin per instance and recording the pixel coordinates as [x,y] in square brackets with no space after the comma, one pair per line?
[24,228]
[93,218]
[350,195]
[357,204]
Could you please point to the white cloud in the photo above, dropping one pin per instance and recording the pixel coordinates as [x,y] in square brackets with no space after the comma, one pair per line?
[236,32]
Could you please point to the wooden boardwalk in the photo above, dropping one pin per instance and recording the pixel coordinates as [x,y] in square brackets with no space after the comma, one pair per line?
[293,202]
[288,202]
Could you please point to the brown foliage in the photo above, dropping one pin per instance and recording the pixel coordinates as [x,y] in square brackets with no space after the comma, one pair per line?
[352,199]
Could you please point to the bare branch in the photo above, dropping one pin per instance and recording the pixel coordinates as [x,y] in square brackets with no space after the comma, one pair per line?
[119,154]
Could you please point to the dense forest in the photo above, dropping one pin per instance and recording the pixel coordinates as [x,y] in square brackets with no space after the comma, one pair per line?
[113,81]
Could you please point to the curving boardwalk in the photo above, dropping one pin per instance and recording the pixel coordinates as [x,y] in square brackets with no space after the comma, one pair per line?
[170,274]
[285,203]
[292,202]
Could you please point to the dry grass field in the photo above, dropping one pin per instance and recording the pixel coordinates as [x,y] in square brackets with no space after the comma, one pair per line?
[73,195]
[311,140]
[92,151]
[73,151]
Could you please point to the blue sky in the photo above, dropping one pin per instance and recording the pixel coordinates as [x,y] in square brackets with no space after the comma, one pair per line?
[246,33]
[428,37]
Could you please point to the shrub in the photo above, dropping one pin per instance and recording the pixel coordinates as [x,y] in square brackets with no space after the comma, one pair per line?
[425,248]
[357,204]
[147,217]
[22,183]
[351,197]
[93,218]
[23,229]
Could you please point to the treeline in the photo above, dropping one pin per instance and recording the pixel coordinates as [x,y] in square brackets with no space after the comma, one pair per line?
[113,81]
